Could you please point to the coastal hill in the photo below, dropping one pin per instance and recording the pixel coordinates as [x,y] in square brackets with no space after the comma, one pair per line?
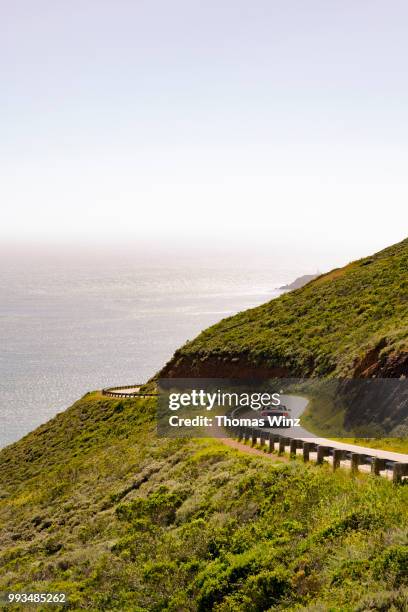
[352,321]
[96,505]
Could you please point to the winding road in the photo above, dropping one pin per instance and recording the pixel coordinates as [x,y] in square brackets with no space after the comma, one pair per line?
[296,406]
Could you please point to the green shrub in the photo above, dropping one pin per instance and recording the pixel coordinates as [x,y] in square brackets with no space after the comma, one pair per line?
[392,565]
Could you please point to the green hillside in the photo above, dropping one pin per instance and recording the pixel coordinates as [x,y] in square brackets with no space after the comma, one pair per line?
[94,504]
[352,321]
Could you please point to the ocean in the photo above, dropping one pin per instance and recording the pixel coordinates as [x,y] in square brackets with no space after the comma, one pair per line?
[71,325]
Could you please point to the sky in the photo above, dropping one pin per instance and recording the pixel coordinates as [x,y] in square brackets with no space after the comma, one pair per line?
[205,124]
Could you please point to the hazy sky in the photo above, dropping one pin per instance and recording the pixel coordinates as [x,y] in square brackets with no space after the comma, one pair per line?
[203,122]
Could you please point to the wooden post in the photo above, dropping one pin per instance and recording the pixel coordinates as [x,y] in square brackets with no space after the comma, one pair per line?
[322,452]
[272,439]
[262,439]
[337,457]
[254,437]
[400,470]
[293,447]
[377,465]
[355,461]
[282,444]
[306,451]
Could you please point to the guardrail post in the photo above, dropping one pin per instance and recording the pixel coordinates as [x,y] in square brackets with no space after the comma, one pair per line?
[355,461]
[254,437]
[249,435]
[282,444]
[322,452]
[306,451]
[293,447]
[262,439]
[400,470]
[337,457]
[271,443]
[377,465]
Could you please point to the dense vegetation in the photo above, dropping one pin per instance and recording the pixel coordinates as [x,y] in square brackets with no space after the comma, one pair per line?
[351,321]
[95,504]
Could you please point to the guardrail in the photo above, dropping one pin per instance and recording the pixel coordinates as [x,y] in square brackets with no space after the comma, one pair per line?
[116,391]
[252,435]
[268,439]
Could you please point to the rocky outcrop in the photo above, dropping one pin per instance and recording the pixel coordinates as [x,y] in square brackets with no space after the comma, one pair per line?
[381,365]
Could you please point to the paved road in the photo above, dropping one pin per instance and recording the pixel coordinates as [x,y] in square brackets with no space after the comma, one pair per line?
[127,391]
[298,404]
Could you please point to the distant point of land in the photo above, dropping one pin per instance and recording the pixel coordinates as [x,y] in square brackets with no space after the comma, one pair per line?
[299,282]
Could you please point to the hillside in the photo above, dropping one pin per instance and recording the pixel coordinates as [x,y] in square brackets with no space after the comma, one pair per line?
[94,504]
[352,321]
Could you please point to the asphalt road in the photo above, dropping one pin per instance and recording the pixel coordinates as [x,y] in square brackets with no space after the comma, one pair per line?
[298,404]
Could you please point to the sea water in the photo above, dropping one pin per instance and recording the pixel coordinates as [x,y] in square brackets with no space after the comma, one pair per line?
[71,325]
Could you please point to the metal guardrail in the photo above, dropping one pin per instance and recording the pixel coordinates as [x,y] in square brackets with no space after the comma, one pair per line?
[269,439]
[115,391]
[266,438]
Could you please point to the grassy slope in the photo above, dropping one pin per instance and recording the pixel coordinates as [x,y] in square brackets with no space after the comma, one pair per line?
[95,504]
[326,327]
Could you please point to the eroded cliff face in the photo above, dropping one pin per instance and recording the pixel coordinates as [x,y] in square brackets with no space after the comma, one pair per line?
[373,364]
[393,365]
[215,366]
